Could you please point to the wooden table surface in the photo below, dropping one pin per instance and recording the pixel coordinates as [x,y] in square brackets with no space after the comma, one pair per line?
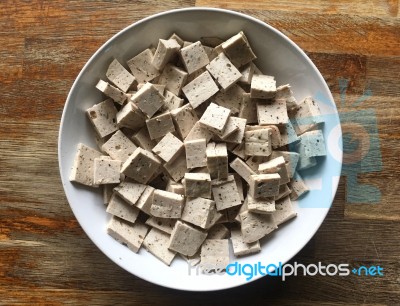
[46,258]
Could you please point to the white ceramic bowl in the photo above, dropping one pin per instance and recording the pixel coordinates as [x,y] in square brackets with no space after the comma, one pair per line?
[278,56]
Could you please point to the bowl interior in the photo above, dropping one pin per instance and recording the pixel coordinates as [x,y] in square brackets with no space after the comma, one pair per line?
[277,56]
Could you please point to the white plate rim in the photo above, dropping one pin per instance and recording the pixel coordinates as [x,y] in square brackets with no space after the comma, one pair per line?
[173,11]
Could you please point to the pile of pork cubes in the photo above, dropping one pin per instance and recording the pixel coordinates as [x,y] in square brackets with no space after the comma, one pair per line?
[193,150]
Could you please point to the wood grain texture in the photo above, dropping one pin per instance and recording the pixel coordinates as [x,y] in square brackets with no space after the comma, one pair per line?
[386,8]
[45,258]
